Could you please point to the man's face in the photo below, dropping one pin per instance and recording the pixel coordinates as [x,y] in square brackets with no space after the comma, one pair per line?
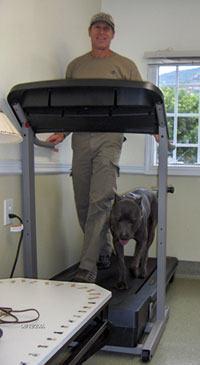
[101,34]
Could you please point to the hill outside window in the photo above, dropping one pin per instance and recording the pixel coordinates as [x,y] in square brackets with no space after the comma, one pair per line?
[178,78]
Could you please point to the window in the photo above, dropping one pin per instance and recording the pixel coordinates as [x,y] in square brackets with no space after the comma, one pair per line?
[180,86]
[179,81]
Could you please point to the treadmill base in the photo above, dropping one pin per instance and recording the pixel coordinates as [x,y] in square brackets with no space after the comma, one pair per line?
[130,310]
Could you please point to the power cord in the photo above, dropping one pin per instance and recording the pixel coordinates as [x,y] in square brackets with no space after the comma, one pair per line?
[12,318]
[7,311]
[19,244]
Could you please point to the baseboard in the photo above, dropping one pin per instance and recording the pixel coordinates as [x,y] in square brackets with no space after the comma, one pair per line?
[66,273]
[188,269]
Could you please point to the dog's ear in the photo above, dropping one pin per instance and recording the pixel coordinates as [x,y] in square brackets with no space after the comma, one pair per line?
[117,198]
[138,199]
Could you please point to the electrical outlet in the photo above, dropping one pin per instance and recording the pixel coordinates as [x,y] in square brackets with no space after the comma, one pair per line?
[8,209]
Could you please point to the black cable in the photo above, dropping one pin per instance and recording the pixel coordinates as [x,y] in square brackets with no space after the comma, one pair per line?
[9,311]
[19,244]
[12,318]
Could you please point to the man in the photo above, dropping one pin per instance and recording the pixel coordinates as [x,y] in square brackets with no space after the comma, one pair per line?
[96,155]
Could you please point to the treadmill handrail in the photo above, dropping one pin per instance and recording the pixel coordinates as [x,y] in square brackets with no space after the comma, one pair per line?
[96,105]
[17,91]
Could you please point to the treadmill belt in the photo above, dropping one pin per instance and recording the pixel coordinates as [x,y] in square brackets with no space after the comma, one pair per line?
[108,278]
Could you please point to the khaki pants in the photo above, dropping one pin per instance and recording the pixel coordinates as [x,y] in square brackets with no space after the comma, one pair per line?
[94,172]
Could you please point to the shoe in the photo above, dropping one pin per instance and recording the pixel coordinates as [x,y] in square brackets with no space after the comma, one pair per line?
[103,262]
[84,276]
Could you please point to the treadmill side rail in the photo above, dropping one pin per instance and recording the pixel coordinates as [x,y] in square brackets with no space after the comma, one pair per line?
[94,105]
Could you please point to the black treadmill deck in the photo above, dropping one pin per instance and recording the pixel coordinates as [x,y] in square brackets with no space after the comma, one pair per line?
[108,278]
[129,309]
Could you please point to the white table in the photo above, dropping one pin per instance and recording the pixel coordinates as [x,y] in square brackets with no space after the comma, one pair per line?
[64,307]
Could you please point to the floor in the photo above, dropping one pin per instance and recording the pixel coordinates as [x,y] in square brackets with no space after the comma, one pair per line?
[180,342]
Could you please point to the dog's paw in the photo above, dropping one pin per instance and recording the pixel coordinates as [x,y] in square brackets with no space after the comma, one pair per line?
[143,274]
[134,271]
[122,285]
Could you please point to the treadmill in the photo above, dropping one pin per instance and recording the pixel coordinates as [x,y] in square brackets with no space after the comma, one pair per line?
[102,105]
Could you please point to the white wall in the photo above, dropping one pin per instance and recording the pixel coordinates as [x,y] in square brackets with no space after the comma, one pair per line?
[38,38]
[150,25]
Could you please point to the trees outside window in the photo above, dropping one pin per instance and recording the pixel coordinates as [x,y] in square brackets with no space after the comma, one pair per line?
[180,86]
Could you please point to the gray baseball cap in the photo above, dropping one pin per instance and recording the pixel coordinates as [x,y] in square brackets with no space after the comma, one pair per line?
[102,17]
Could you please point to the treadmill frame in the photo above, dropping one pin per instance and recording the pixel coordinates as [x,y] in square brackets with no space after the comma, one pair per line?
[147,350]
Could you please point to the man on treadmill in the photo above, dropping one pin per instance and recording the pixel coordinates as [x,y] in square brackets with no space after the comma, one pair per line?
[95,164]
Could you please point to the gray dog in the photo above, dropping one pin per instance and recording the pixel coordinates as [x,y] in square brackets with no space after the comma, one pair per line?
[134,215]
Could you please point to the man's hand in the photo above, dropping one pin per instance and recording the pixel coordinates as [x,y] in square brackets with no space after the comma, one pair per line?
[156,136]
[55,139]
[171,147]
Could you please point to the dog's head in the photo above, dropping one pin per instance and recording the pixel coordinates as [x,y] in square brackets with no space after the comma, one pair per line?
[126,217]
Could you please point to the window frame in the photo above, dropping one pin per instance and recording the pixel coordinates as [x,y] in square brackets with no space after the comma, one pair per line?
[154,60]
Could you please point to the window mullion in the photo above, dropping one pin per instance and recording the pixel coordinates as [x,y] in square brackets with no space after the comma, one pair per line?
[198,147]
[175,114]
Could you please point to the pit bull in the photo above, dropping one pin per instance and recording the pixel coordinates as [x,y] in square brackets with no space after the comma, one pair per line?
[133,215]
